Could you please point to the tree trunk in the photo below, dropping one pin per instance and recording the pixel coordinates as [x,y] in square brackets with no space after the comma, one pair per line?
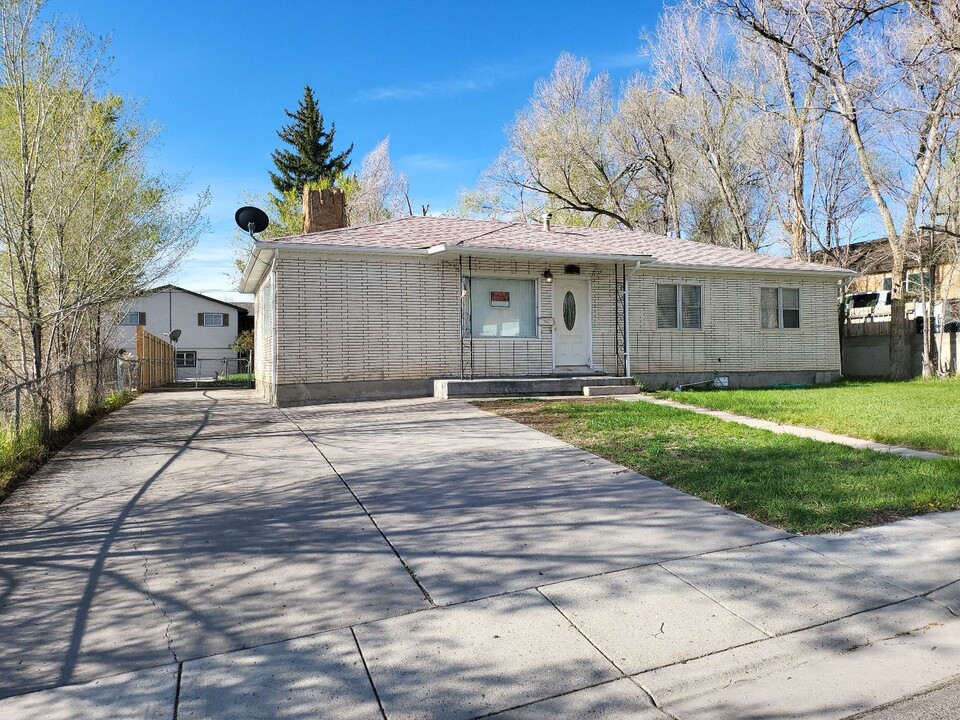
[900,345]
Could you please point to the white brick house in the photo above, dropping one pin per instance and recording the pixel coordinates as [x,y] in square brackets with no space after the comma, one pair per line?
[382,310]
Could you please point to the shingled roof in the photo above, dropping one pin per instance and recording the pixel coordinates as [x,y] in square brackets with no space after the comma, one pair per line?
[443,234]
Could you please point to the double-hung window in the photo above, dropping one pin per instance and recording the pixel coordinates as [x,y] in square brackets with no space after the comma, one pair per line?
[779,308]
[679,307]
[503,308]
[213,319]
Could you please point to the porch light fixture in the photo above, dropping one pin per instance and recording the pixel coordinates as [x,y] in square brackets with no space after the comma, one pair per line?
[547,276]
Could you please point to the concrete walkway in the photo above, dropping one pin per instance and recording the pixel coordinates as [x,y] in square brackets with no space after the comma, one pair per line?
[202,555]
[798,430]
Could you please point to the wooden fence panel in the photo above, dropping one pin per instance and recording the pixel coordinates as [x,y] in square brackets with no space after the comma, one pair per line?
[156,358]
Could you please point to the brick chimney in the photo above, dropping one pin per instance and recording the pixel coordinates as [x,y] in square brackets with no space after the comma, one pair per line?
[323,210]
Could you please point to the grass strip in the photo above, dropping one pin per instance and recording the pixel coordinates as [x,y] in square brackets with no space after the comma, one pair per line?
[922,414]
[800,485]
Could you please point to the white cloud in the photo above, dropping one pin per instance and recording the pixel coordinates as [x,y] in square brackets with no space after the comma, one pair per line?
[477,80]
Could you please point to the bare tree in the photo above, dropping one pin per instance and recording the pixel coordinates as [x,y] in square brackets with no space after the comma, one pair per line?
[648,129]
[563,148]
[722,123]
[380,193]
[82,223]
[883,67]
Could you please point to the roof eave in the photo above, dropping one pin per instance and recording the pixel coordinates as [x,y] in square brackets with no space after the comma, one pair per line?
[254,271]
[838,273]
[441,249]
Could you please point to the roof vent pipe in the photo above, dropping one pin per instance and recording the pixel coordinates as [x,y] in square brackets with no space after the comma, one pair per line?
[546,220]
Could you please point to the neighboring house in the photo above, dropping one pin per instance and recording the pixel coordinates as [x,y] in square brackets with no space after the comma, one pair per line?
[207,328]
[381,310]
[246,321]
[931,275]
[872,260]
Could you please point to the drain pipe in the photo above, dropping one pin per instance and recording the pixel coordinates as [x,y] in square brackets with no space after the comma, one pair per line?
[626,317]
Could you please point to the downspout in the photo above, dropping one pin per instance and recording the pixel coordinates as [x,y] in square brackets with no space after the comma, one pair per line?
[628,370]
[275,324]
[461,316]
[626,324]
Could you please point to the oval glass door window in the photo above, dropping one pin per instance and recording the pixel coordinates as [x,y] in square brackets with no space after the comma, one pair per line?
[569,310]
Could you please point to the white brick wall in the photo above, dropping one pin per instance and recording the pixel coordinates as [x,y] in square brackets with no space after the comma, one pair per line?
[349,317]
[264,305]
[731,327]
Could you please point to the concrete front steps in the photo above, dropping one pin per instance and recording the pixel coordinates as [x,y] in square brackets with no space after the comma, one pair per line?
[590,386]
[599,390]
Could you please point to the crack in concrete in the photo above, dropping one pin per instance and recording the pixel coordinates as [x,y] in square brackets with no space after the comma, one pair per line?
[149,594]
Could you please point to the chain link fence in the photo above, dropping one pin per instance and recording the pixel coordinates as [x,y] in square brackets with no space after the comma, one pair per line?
[69,394]
[235,372]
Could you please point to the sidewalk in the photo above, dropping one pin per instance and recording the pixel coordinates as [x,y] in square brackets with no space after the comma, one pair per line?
[798,430]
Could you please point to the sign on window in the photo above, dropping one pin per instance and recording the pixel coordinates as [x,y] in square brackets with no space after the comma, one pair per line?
[499,298]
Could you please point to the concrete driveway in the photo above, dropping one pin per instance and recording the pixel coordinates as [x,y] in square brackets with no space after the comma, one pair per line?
[202,555]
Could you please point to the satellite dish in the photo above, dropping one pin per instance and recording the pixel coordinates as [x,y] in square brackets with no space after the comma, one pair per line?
[174,335]
[251,219]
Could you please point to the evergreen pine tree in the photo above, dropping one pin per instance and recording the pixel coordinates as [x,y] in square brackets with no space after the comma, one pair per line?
[312,158]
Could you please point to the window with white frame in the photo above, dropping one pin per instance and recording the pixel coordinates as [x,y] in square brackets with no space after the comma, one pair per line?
[213,319]
[186,358]
[679,307]
[134,318]
[503,308]
[779,308]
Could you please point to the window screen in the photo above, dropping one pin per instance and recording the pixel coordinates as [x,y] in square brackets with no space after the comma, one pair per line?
[503,308]
[769,308]
[690,307]
[779,308]
[790,298]
[679,306]
[666,306]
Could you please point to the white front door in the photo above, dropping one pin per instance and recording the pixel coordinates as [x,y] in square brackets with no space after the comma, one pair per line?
[571,321]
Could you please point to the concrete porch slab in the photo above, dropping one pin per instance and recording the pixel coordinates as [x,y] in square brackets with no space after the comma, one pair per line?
[478,658]
[781,586]
[523,386]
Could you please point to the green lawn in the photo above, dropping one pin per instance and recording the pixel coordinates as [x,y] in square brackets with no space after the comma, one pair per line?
[917,413]
[801,485]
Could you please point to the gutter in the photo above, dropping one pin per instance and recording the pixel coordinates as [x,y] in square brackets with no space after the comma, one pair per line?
[252,263]
[626,317]
[459,250]
[647,260]
[826,272]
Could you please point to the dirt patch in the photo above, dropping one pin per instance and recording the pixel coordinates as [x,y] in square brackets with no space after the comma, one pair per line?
[538,414]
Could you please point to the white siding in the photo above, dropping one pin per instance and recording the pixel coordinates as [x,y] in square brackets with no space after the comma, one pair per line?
[177,310]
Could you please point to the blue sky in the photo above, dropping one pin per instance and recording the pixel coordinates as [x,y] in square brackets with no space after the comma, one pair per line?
[442,79]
